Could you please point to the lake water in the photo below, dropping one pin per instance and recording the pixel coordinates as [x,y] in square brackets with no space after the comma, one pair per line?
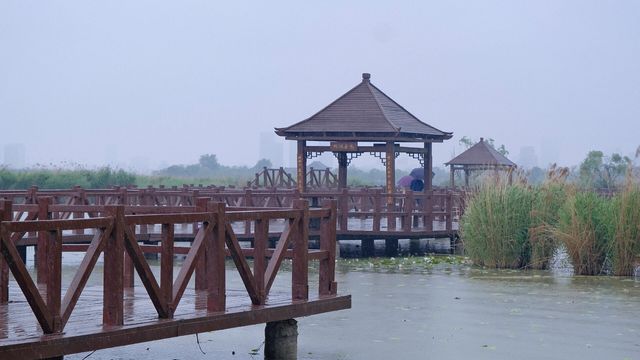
[444,311]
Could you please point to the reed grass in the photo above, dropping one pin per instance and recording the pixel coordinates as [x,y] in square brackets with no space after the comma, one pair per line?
[495,225]
[586,229]
[549,198]
[626,244]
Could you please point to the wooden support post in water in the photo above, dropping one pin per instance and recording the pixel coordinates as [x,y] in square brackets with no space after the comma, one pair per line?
[281,340]
[300,262]
[113,311]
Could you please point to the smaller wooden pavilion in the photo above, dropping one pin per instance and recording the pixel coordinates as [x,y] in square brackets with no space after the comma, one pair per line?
[480,157]
[366,115]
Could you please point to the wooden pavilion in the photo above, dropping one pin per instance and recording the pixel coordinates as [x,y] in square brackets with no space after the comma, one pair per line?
[362,116]
[480,157]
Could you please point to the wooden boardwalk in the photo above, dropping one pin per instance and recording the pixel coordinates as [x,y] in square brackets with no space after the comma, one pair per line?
[43,315]
[22,338]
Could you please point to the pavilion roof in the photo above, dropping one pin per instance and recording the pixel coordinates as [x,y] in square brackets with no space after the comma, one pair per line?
[481,154]
[364,113]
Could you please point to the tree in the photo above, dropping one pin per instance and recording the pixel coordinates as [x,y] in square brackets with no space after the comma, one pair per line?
[262,163]
[209,161]
[468,142]
[603,172]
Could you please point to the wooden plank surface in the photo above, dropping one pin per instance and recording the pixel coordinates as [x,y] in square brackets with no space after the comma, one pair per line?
[21,336]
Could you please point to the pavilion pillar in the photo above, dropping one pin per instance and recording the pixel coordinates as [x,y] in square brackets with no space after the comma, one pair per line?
[390,158]
[428,166]
[342,170]
[510,170]
[301,177]
[466,177]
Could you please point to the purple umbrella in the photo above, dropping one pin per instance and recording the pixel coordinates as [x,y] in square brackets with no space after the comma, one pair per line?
[417,173]
[405,181]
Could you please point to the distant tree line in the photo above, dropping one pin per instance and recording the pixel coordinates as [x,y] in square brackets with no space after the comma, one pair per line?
[64,178]
[597,170]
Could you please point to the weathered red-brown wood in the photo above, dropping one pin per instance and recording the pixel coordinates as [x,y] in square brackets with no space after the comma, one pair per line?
[300,262]
[113,313]
[201,263]
[327,284]
[215,255]
[280,251]
[146,275]
[24,280]
[166,263]
[53,278]
[261,237]
[241,264]
[84,271]
[42,251]
[6,214]
[188,267]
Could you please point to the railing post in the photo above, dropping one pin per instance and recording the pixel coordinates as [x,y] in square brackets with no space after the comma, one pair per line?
[79,200]
[42,249]
[300,263]
[113,311]
[201,262]
[53,277]
[377,209]
[166,265]
[6,214]
[248,202]
[428,210]
[328,242]
[408,210]
[261,236]
[216,290]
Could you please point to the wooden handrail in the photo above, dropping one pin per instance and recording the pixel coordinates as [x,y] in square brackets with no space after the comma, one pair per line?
[114,235]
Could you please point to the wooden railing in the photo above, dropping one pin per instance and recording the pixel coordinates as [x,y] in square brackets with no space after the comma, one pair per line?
[115,230]
[388,212]
[281,179]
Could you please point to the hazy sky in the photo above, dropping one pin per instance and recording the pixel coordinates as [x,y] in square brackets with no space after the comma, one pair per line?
[162,82]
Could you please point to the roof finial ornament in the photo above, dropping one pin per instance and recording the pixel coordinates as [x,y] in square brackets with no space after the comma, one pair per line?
[366,77]
[481,139]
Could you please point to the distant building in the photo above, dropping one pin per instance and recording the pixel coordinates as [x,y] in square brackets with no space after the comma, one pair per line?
[527,157]
[15,156]
[271,148]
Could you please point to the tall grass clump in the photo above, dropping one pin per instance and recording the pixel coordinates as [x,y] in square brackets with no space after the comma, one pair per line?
[549,197]
[495,225]
[585,227]
[627,230]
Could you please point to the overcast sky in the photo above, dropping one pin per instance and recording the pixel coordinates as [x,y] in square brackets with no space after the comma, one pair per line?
[150,83]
